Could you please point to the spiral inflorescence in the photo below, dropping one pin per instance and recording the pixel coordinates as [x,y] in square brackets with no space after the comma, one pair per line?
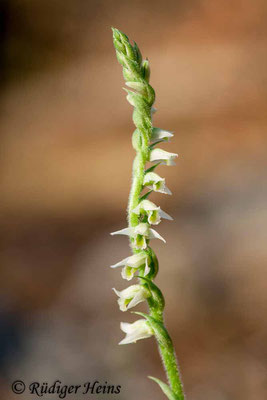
[143,214]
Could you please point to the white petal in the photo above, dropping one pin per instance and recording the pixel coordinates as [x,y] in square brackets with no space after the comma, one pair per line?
[151,177]
[155,235]
[129,292]
[122,304]
[136,260]
[165,215]
[132,296]
[116,291]
[126,327]
[153,219]
[133,338]
[146,205]
[156,183]
[127,273]
[147,268]
[165,190]
[140,241]
[120,263]
[162,155]
[160,134]
[136,331]
[125,231]
[138,298]
[131,264]
[142,229]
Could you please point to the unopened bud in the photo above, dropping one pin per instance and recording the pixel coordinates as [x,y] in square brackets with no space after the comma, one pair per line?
[146,70]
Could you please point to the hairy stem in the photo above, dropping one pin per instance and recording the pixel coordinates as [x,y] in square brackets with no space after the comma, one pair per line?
[136,188]
[170,364]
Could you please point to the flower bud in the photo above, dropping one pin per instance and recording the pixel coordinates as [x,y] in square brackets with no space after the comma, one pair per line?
[146,70]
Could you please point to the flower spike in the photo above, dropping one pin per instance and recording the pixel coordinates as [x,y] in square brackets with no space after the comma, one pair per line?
[143,214]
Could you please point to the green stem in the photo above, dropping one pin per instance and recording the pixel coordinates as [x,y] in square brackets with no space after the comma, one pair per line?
[137,186]
[170,363]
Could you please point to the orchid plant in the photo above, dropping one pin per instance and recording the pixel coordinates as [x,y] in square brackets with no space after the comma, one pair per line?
[143,214]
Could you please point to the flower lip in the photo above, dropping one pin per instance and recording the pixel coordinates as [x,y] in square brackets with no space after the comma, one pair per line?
[131,264]
[145,205]
[139,329]
[155,182]
[140,233]
[154,213]
[163,156]
[134,261]
[152,177]
[142,229]
[160,134]
[132,296]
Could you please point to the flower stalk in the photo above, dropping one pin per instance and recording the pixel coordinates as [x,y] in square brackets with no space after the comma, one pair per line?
[142,213]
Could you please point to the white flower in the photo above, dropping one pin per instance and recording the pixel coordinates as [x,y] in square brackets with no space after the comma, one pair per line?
[140,329]
[154,213]
[131,296]
[163,156]
[140,233]
[155,182]
[131,264]
[160,134]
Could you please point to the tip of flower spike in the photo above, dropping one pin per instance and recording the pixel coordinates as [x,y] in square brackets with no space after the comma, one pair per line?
[119,35]
[116,33]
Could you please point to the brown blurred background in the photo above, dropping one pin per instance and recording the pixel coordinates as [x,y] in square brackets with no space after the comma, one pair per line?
[65,175]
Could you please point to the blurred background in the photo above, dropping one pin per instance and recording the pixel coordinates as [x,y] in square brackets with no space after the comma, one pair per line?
[66,160]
